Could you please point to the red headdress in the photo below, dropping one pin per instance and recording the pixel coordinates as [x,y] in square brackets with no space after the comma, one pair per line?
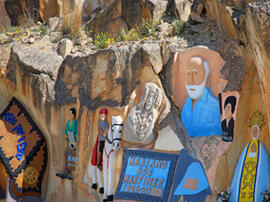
[103,111]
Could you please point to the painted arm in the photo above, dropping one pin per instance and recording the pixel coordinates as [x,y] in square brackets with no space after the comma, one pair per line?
[66,129]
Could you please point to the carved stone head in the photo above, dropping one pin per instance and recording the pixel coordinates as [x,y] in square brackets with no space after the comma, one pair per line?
[141,119]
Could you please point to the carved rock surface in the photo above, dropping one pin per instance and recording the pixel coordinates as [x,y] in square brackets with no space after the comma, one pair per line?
[198,6]
[141,121]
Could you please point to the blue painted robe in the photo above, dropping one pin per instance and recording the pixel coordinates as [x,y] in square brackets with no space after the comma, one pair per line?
[262,177]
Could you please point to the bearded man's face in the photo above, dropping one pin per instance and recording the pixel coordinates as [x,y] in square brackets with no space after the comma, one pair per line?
[195,78]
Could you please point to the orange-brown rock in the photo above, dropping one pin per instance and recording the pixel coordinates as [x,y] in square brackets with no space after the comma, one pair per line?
[250,26]
[123,15]
[4,18]
[223,16]
[108,20]
[48,8]
[246,22]
[48,86]
[15,12]
[87,8]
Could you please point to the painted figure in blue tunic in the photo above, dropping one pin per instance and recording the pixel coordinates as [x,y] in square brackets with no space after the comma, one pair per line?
[201,114]
[70,153]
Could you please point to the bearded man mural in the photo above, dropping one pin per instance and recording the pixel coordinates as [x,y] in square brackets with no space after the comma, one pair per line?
[200,115]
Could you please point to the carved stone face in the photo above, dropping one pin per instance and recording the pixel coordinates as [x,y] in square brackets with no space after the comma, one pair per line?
[141,119]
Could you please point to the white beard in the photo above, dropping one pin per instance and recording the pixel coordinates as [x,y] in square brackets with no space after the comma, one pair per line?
[197,93]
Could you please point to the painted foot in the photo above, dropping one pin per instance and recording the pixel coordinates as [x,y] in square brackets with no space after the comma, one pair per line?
[110,198]
[101,190]
[94,186]
[64,176]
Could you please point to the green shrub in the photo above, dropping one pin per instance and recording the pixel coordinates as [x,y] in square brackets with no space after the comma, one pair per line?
[178,27]
[130,35]
[103,40]
[149,28]
[42,30]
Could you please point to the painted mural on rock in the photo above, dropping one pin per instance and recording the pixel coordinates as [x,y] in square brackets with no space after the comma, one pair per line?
[112,144]
[23,153]
[70,133]
[190,181]
[96,157]
[196,90]
[229,105]
[106,134]
[251,175]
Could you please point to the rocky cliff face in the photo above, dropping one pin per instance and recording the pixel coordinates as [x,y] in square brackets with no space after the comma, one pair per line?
[48,84]
[247,24]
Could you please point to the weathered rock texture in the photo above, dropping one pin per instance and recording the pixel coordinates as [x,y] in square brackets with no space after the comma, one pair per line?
[120,15]
[48,84]
[22,12]
[4,18]
[248,23]
[183,9]
[48,8]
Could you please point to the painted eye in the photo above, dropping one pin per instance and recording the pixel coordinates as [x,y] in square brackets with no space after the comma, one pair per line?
[120,131]
[112,130]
